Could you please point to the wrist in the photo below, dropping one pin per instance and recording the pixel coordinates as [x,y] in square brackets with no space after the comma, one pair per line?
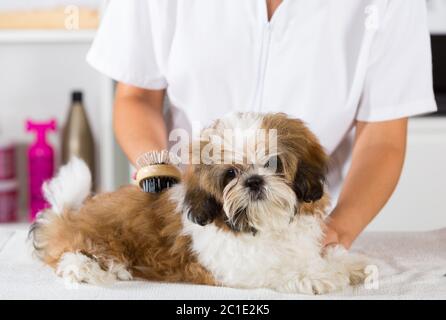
[344,225]
[345,240]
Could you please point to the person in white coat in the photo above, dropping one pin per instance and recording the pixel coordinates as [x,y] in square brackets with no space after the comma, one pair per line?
[354,71]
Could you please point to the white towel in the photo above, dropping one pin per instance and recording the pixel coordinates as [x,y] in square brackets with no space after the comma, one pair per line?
[411,265]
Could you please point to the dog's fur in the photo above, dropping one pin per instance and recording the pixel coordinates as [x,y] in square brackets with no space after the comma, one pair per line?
[212,228]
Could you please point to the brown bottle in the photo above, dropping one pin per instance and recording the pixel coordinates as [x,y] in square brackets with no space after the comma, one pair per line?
[77,139]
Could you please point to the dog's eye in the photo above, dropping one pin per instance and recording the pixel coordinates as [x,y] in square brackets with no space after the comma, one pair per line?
[274,163]
[229,175]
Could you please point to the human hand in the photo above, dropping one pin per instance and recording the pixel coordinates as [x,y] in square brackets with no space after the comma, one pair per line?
[331,236]
[334,235]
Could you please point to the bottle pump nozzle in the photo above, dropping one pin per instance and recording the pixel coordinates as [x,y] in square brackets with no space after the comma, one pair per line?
[40,128]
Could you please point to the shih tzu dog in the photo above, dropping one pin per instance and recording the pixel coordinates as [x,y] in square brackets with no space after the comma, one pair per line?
[242,224]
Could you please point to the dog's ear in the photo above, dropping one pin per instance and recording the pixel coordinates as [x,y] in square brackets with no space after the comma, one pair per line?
[202,208]
[311,167]
[307,159]
[309,182]
[200,205]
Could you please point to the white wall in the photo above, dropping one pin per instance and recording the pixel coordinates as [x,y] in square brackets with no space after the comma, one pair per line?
[36,80]
[437,16]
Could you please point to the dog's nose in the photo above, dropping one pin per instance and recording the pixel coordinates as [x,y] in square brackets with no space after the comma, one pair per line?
[254,182]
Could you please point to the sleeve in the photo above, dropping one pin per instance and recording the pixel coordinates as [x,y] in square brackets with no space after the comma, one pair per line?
[398,80]
[124,48]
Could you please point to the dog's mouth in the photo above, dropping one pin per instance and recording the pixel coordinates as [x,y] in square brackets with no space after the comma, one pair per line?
[257,195]
[239,222]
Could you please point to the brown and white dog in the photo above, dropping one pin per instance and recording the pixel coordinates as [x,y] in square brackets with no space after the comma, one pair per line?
[238,224]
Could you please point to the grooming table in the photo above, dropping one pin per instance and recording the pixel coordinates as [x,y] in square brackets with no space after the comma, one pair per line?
[411,265]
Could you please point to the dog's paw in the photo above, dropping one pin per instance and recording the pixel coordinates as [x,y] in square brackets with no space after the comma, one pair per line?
[323,285]
[120,271]
[354,265]
[78,268]
[356,268]
[316,284]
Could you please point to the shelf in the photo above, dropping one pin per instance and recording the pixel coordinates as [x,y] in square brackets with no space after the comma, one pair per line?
[46,36]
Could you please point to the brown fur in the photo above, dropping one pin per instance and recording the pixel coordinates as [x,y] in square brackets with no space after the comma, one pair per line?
[139,230]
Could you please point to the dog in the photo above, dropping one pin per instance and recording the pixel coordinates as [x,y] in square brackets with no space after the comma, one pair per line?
[241,224]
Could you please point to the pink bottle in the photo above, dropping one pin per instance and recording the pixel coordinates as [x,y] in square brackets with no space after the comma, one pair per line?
[40,164]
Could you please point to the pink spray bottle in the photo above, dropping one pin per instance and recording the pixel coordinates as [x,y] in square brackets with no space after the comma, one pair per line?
[40,164]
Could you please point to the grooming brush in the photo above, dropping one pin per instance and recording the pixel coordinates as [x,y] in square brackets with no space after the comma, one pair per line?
[156,171]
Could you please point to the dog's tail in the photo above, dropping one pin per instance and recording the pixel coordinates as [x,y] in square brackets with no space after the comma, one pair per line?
[70,187]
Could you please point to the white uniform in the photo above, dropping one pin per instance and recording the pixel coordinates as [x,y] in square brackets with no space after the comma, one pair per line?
[327,62]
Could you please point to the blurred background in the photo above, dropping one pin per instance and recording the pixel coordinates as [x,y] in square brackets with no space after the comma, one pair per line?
[43,44]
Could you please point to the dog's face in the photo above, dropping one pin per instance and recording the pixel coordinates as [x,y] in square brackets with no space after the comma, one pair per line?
[259,184]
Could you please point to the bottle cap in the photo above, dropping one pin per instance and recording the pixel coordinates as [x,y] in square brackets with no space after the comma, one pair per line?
[77,96]
[41,129]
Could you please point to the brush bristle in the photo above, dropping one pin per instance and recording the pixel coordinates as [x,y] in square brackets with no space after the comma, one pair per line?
[153,157]
[157,184]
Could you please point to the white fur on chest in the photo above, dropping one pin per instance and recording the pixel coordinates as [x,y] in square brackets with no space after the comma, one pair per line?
[288,260]
[263,260]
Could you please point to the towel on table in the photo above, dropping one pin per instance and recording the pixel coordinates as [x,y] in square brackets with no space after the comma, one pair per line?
[410,265]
